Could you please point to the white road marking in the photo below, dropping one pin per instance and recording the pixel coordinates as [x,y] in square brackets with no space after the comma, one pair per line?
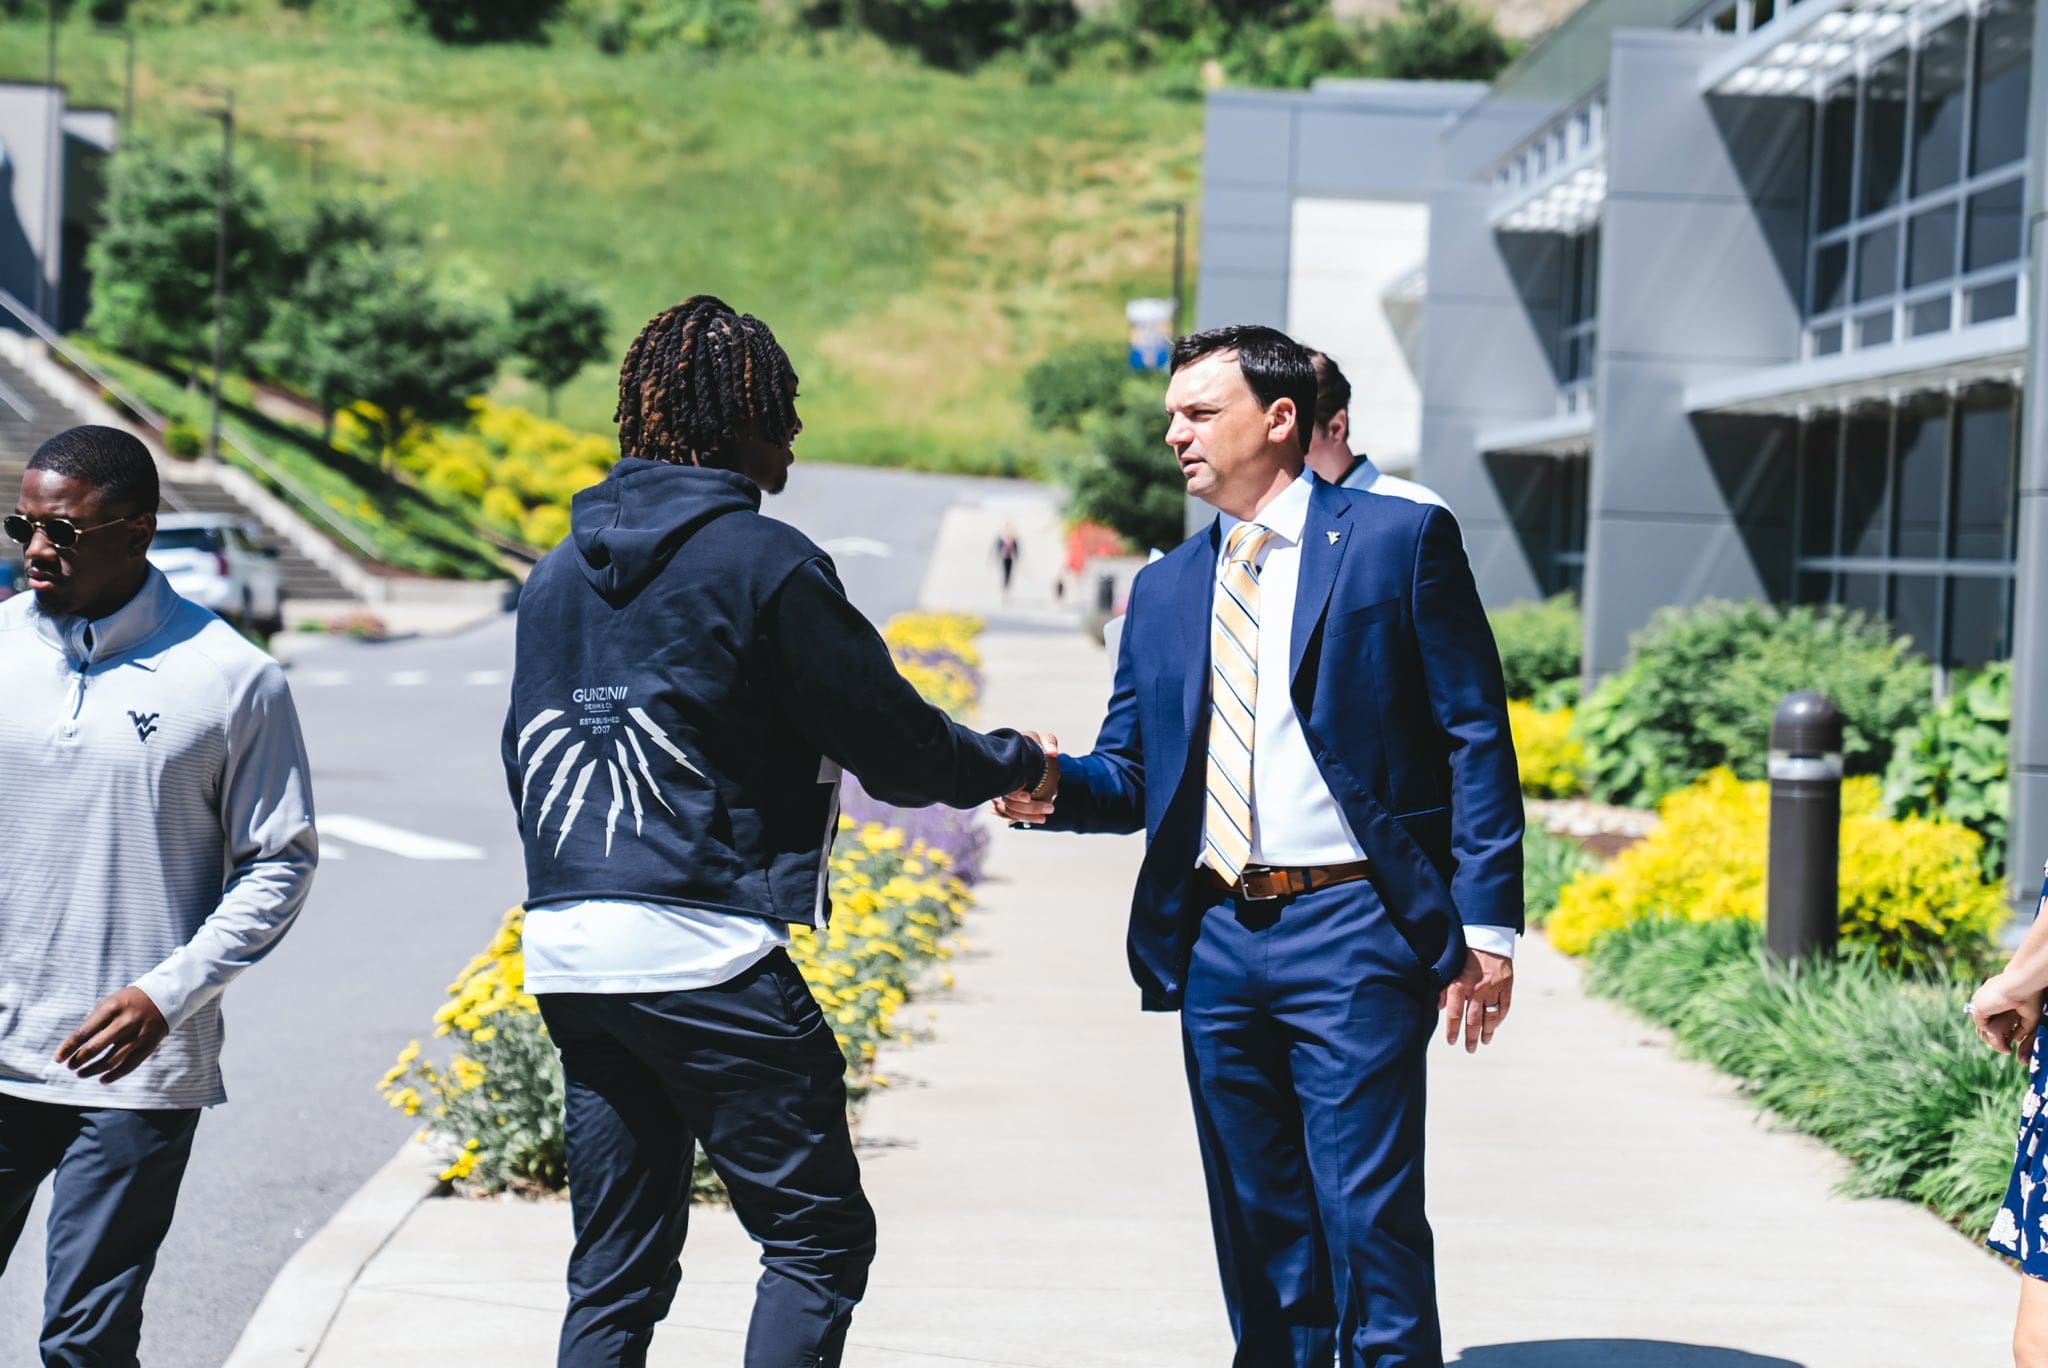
[406,679]
[408,845]
[856,546]
[485,679]
[331,851]
[320,679]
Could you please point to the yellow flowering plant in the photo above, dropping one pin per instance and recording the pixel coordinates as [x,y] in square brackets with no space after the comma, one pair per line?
[1910,888]
[1549,755]
[495,1109]
[510,469]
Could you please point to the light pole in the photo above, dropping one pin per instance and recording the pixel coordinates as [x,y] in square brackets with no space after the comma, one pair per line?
[1180,259]
[226,115]
[1180,256]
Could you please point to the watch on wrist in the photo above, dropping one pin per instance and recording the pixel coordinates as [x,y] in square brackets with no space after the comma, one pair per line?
[1039,791]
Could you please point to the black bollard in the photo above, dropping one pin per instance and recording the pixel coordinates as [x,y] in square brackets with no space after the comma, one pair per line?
[1802,910]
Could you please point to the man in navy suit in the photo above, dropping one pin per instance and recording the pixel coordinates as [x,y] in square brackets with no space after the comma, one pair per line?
[1309,722]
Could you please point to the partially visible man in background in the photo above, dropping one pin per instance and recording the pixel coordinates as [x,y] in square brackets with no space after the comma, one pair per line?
[160,841]
[1329,453]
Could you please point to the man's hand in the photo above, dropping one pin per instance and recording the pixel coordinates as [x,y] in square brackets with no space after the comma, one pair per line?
[1478,999]
[2005,1019]
[1030,807]
[115,1037]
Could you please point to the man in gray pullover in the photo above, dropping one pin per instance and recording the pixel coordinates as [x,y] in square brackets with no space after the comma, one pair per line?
[159,841]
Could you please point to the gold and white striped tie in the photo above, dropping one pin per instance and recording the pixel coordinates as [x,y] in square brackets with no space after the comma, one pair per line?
[1233,700]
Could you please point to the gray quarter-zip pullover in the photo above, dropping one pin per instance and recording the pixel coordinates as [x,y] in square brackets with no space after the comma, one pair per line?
[156,830]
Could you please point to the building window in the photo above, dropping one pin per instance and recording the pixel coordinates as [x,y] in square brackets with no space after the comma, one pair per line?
[1565,568]
[1578,320]
[1919,186]
[1908,512]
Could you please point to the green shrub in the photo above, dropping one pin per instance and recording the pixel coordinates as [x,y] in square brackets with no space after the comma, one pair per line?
[1539,646]
[960,34]
[1548,864]
[1703,681]
[1875,1063]
[485,21]
[1438,40]
[1296,56]
[183,439]
[1953,763]
[650,25]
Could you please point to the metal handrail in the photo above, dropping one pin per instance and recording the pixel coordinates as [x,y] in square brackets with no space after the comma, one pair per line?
[300,495]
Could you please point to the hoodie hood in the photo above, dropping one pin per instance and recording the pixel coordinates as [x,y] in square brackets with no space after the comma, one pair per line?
[628,527]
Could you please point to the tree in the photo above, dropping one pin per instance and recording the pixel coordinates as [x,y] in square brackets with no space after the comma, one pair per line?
[1069,384]
[153,262]
[960,34]
[336,254]
[1438,40]
[403,347]
[1129,479]
[557,328]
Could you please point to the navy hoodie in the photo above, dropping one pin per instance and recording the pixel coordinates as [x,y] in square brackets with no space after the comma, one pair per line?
[690,679]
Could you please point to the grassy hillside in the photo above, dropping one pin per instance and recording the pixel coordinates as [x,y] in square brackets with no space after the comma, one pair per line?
[916,238]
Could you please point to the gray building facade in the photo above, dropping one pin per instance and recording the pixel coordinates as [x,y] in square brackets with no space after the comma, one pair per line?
[52,188]
[1736,299]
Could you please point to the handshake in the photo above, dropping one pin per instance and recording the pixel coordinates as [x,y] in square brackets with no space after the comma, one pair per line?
[1030,807]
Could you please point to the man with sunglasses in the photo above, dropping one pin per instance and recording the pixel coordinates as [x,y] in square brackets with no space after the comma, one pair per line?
[161,842]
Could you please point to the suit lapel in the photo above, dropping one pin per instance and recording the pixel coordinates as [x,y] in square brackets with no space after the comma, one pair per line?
[1325,538]
[1197,591]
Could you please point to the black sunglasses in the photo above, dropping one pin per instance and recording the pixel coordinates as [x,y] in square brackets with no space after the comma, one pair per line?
[62,532]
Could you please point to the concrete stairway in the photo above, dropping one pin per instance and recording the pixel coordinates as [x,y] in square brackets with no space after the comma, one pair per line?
[29,417]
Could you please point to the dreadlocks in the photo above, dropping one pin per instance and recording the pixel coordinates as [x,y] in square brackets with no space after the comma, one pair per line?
[697,379]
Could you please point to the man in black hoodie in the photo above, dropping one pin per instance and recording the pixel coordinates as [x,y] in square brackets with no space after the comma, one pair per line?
[690,681]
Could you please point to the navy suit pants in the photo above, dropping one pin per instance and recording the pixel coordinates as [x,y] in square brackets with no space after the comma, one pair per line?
[116,1176]
[1305,1026]
[751,1069]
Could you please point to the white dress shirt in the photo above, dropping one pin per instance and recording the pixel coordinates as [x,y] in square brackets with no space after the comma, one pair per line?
[1366,476]
[1295,818]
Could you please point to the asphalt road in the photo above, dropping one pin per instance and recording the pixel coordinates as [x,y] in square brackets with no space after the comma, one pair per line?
[404,739]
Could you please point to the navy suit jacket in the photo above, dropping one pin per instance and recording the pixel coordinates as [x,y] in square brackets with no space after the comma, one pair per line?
[1398,685]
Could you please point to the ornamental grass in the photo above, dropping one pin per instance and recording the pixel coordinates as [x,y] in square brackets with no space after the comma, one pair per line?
[1879,1064]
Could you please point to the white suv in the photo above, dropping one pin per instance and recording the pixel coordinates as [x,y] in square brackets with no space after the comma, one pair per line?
[213,560]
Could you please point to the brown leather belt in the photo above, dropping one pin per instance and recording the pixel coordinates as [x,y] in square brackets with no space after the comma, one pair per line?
[1264,883]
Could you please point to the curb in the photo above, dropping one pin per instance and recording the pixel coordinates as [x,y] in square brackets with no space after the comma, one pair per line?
[292,1321]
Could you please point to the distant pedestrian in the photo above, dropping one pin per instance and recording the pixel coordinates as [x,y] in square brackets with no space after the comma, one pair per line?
[1329,453]
[1007,551]
[158,840]
[689,680]
[2006,1011]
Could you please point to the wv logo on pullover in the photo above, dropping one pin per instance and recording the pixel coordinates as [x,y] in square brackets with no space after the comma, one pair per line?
[145,724]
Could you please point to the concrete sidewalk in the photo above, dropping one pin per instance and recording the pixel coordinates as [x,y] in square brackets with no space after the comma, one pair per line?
[1597,1202]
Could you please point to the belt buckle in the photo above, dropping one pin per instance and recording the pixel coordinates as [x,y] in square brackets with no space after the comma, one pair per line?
[1267,879]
